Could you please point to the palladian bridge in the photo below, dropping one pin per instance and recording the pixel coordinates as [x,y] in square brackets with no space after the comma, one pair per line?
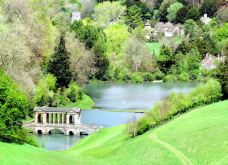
[66,120]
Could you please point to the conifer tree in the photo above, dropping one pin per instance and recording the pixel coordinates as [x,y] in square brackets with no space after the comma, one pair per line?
[59,65]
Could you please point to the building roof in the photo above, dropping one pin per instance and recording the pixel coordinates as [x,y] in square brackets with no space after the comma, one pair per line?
[56,109]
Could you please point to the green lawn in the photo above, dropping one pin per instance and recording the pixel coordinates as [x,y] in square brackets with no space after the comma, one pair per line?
[197,137]
[84,104]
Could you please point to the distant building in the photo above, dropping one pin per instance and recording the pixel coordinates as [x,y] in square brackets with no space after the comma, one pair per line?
[205,19]
[209,62]
[75,16]
[169,29]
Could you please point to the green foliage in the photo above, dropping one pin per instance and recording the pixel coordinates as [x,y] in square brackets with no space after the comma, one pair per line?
[44,91]
[188,12]
[59,65]
[137,77]
[13,109]
[118,73]
[165,59]
[191,28]
[189,63]
[172,11]
[184,76]
[148,76]
[134,17]
[116,34]
[170,78]
[222,33]
[108,12]
[221,73]
[94,39]
[193,13]
[159,75]
[209,7]
[179,103]
[74,92]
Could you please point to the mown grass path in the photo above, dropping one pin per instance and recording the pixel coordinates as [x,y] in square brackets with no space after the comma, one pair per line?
[172,149]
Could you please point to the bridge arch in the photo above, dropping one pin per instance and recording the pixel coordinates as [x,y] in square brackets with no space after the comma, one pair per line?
[71,132]
[55,131]
[39,131]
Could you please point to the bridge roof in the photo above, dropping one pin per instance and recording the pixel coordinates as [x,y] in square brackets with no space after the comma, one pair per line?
[56,109]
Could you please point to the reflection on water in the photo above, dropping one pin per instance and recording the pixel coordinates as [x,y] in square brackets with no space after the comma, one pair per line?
[57,141]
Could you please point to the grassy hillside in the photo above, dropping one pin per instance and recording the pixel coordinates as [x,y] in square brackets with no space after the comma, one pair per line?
[197,137]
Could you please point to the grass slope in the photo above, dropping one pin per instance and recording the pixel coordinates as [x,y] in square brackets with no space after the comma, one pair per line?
[197,137]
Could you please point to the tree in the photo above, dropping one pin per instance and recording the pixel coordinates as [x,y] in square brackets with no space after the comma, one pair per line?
[172,11]
[82,60]
[182,13]
[95,40]
[134,17]
[13,109]
[193,13]
[209,7]
[59,65]
[191,28]
[108,13]
[138,57]
[165,59]
[221,73]
[116,34]
[222,33]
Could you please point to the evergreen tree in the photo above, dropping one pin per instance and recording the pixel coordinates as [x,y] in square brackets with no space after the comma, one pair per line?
[59,65]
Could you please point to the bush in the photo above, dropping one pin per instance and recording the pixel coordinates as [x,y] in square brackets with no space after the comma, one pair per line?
[183,76]
[159,75]
[148,76]
[137,77]
[170,78]
[179,103]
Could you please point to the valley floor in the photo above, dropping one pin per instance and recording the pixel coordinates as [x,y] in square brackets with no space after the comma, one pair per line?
[197,137]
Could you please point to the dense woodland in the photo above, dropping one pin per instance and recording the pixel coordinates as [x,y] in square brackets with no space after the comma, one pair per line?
[47,57]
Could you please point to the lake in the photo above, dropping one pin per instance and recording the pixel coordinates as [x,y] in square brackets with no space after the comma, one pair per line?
[110,97]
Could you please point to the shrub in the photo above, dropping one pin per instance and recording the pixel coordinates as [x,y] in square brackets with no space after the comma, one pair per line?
[148,76]
[159,75]
[183,76]
[179,103]
[137,77]
[170,78]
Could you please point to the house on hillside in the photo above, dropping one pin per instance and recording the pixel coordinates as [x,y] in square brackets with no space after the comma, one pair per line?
[205,19]
[165,29]
[209,62]
[169,29]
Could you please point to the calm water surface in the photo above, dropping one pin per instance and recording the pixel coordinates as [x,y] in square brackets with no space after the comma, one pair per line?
[115,97]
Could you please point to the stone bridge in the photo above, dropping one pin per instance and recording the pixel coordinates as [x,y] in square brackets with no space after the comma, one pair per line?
[67,129]
[66,120]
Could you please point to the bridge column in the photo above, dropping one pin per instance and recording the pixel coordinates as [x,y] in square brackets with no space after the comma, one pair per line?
[67,119]
[54,118]
[58,114]
[63,118]
[76,119]
[44,118]
[49,118]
